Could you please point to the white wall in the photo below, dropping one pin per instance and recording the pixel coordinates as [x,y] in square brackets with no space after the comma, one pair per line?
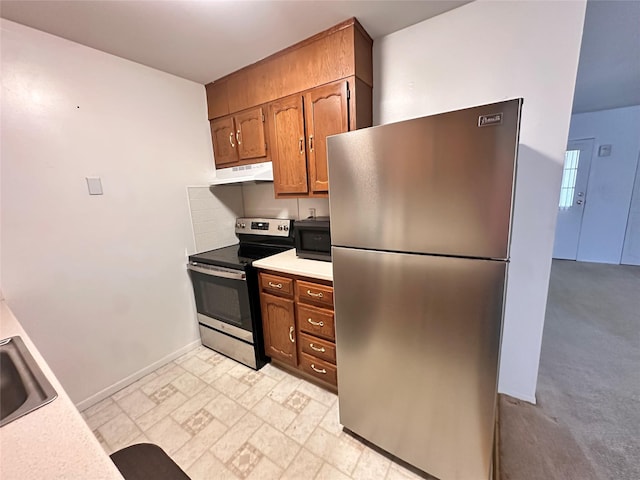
[610,186]
[485,52]
[99,282]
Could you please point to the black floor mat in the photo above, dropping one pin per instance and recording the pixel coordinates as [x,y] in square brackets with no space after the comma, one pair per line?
[146,461]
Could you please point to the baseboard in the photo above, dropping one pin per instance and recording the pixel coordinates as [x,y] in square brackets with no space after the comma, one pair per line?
[110,390]
[519,396]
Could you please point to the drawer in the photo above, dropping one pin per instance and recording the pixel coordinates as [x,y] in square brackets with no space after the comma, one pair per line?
[276,285]
[316,321]
[314,293]
[319,369]
[318,348]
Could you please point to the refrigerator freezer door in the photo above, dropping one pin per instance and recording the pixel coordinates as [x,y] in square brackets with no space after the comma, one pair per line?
[417,340]
[439,184]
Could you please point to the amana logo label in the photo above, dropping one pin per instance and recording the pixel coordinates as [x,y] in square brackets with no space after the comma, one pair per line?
[487,120]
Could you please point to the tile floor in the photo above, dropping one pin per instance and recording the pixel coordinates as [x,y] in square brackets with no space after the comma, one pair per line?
[218,419]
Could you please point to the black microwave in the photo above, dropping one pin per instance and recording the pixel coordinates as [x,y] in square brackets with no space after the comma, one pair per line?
[313,238]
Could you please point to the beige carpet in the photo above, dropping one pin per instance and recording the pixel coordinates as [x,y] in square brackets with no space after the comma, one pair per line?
[587,421]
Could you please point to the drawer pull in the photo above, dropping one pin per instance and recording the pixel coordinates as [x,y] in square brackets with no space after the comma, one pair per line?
[319,370]
[291,335]
[231,140]
[315,324]
[311,294]
[313,347]
[238,137]
[275,285]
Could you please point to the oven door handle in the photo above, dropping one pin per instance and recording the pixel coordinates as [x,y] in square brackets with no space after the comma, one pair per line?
[218,272]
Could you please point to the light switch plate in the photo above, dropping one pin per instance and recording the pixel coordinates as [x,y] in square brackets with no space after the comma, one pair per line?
[95,185]
[604,150]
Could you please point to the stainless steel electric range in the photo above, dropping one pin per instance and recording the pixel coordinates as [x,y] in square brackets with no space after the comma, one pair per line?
[226,288]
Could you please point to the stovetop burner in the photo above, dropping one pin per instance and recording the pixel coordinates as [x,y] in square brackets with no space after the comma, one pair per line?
[259,238]
[224,257]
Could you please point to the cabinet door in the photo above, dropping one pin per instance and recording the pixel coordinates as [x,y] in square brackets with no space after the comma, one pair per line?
[250,134]
[224,141]
[288,146]
[327,113]
[278,320]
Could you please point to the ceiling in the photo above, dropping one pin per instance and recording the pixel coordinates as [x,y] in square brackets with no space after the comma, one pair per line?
[204,40]
[609,67]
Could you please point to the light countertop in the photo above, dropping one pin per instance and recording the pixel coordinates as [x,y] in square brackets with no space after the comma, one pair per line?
[288,262]
[52,442]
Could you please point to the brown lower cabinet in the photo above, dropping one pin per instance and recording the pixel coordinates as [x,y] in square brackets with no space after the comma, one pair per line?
[323,371]
[278,321]
[299,330]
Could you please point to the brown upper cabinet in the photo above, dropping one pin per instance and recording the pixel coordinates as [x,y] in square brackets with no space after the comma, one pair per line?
[239,138]
[299,126]
[288,145]
[318,87]
[326,113]
[224,142]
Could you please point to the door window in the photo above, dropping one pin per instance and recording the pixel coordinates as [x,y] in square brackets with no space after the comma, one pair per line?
[569,177]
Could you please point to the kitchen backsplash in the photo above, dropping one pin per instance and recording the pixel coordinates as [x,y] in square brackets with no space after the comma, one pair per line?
[214,210]
[213,214]
[259,201]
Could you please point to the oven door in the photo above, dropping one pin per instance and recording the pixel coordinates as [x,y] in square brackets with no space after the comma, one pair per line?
[222,299]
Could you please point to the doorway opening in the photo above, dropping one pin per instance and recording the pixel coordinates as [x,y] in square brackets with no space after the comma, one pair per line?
[573,198]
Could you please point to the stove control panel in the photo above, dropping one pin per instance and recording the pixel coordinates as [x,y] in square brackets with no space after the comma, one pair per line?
[277,227]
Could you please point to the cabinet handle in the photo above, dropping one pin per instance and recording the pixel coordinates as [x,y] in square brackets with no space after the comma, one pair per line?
[319,370]
[291,335]
[311,143]
[275,285]
[238,137]
[317,295]
[313,347]
[315,324]
[301,145]
[233,145]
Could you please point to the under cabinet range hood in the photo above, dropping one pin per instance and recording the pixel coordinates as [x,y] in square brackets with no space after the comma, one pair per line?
[256,172]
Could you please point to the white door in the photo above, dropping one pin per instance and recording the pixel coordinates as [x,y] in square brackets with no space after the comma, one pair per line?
[573,196]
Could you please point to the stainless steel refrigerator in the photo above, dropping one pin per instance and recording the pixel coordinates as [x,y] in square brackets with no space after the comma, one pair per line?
[420,226]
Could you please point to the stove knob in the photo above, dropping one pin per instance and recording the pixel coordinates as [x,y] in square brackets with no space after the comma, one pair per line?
[279,227]
[238,225]
[243,225]
[286,228]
